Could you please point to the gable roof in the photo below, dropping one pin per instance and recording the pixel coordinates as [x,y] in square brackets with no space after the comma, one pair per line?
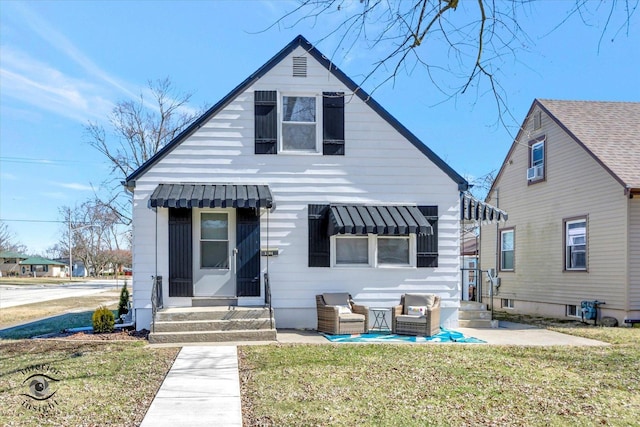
[608,131]
[366,98]
[38,260]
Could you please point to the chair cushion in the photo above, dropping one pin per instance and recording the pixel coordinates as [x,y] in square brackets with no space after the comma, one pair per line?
[411,319]
[418,300]
[413,310]
[337,298]
[352,317]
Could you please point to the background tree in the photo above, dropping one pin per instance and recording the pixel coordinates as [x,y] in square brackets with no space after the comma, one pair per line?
[462,46]
[137,130]
[8,240]
[96,235]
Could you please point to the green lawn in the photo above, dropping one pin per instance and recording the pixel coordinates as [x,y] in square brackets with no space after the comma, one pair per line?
[448,385]
[99,383]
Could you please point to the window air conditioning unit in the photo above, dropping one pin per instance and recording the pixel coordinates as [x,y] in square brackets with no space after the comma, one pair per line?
[534,172]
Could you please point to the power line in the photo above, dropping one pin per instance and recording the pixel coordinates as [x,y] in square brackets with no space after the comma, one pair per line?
[30,220]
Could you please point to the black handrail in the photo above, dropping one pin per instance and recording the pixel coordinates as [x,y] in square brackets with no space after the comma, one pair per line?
[267,297]
[156,298]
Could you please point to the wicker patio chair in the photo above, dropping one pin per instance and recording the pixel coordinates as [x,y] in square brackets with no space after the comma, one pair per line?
[422,319]
[339,315]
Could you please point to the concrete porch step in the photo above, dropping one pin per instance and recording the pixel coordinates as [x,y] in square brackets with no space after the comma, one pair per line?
[472,306]
[177,314]
[488,324]
[474,315]
[214,301]
[211,336]
[213,325]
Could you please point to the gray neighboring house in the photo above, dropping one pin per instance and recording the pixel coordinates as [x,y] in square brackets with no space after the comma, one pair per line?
[571,185]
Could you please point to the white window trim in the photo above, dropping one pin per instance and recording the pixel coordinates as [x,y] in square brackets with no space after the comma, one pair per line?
[373,252]
[566,246]
[578,313]
[510,303]
[502,232]
[533,148]
[280,106]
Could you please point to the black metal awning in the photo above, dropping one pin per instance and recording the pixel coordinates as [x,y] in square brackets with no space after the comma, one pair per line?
[211,196]
[383,220]
[473,209]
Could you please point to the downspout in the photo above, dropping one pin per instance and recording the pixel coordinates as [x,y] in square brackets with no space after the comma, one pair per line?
[497,250]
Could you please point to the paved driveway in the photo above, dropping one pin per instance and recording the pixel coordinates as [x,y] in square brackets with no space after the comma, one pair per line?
[12,295]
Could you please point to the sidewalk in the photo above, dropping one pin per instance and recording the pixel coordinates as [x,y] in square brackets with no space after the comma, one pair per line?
[201,389]
[203,386]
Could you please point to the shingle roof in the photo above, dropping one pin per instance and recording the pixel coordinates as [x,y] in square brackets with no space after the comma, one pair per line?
[610,131]
[38,260]
[11,254]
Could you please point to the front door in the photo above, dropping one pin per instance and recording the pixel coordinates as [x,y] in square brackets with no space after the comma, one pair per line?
[214,253]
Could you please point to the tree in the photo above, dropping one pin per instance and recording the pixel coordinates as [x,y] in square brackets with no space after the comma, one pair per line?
[95,234]
[8,240]
[462,46]
[138,130]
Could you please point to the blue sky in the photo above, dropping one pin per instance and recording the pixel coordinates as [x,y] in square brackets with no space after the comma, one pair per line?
[64,63]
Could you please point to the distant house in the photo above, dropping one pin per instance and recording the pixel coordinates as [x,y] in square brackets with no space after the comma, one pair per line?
[571,185]
[300,174]
[10,262]
[42,267]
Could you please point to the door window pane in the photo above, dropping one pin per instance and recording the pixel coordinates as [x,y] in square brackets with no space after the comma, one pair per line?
[352,250]
[214,240]
[393,251]
[214,226]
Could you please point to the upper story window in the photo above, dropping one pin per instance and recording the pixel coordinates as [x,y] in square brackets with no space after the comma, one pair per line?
[537,157]
[575,244]
[299,124]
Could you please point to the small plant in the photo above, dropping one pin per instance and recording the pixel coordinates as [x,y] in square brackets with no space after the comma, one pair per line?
[123,304]
[103,320]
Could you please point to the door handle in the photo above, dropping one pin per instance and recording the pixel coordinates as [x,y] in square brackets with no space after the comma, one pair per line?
[235,260]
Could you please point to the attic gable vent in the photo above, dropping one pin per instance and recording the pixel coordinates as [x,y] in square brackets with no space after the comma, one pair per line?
[537,120]
[299,66]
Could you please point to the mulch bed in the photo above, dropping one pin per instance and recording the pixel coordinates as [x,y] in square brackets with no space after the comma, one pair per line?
[121,335]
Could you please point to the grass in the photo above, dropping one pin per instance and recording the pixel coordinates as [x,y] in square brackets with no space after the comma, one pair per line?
[100,383]
[23,313]
[417,385]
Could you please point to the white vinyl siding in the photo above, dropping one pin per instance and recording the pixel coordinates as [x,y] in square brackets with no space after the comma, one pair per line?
[379,167]
[634,254]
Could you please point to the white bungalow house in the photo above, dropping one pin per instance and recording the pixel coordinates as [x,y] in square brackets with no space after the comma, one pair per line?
[297,175]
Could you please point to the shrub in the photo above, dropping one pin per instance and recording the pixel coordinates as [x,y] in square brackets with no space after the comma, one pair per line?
[103,320]
[123,304]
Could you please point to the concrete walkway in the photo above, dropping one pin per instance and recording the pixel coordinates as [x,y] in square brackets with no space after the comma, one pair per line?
[201,389]
[203,386]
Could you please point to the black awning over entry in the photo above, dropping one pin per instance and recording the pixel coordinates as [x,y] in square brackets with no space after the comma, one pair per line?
[382,220]
[211,196]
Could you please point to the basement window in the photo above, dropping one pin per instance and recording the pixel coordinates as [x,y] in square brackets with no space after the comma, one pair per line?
[572,311]
[508,303]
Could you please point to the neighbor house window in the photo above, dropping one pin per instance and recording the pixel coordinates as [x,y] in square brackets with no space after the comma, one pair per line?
[572,311]
[507,249]
[508,303]
[575,244]
[536,170]
[299,124]
[214,240]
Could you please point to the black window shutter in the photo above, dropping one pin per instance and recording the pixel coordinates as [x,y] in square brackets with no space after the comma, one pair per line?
[427,253]
[319,244]
[180,253]
[333,123]
[248,258]
[266,121]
